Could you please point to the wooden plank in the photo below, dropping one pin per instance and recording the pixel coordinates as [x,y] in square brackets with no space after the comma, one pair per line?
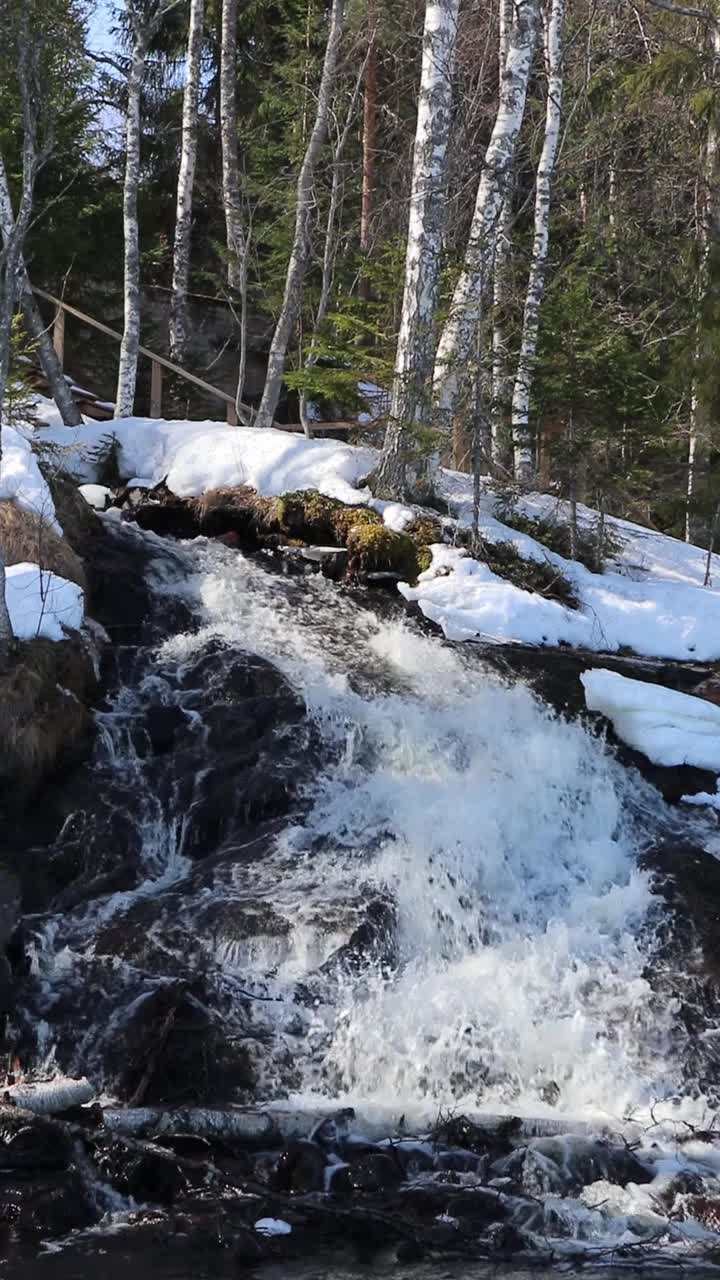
[156,377]
[231,416]
[144,351]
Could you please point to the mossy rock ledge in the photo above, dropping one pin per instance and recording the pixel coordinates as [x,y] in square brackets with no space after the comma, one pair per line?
[301,518]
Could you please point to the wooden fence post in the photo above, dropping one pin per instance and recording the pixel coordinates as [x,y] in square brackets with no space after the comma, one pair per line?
[59,334]
[156,379]
[231,414]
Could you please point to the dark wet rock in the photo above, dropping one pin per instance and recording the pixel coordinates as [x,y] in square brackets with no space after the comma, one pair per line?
[162,725]
[409,1251]
[300,1168]
[461,1162]
[148,1175]
[375,1172]
[29,1142]
[172,1049]
[47,1206]
[188,1145]
[371,944]
[505,1240]
[413,1160]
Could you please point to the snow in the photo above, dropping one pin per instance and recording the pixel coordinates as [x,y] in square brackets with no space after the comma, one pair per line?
[21,479]
[273,1227]
[41,603]
[650,600]
[96,495]
[710,801]
[670,728]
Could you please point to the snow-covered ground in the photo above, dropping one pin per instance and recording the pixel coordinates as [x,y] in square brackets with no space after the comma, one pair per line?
[670,728]
[650,600]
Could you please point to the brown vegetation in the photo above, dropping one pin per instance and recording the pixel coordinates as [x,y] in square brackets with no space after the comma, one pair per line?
[26,537]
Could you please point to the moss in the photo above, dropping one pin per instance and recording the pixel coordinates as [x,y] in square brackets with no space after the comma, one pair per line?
[425,530]
[310,515]
[237,510]
[373,548]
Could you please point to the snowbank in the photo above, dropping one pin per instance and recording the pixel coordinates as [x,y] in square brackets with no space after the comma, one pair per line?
[40,603]
[670,728]
[21,478]
[651,600]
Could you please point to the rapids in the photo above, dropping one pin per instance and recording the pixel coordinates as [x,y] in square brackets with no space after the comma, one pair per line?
[416,891]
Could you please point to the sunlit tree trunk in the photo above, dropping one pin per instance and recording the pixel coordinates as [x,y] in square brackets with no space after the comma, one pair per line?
[144,28]
[403,468]
[186,183]
[522,452]
[499,380]
[294,281]
[456,342]
[369,144]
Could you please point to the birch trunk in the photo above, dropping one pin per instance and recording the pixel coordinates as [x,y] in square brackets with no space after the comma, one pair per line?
[456,342]
[297,265]
[499,379]
[234,233]
[403,469]
[186,182]
[143,32]
[522,452]
[701,425]
[369,145]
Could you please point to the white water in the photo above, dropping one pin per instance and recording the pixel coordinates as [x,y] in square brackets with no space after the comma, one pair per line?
[509,840]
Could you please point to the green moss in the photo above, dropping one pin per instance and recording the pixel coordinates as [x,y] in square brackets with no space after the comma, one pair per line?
[373,548]
[310,515]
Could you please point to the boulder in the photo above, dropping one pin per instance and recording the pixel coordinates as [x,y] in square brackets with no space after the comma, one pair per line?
[300,1168]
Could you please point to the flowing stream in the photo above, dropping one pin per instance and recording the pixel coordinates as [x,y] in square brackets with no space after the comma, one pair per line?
[448,914]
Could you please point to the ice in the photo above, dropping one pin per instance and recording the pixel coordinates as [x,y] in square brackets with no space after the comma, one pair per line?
[670,728]
[273,1227]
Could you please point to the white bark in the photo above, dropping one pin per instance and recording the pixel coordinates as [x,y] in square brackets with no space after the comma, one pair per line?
[522,452]
[300,246]
[402,468]
[186,182]
[456,342]
[499,380]
[709,237]
[144,28]
[235,237]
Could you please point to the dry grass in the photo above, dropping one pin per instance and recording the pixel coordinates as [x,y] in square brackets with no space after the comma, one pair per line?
[43,695]
[27,537]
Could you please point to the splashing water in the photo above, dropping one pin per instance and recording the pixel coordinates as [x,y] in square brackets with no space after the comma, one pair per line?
[508,840]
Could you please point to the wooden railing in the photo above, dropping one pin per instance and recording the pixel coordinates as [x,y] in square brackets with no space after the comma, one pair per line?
[157,363]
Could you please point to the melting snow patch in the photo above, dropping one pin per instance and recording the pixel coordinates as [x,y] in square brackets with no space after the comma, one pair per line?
[670,728]
[41,603]
[273,1227]
[21,478]
[96,495]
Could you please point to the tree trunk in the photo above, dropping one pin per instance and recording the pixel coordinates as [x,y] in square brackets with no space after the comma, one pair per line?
[456,343]
[57,383]
[186,182]
[500,386]
[404,467]
[522,452]
[369,146]
[127,369]
[701,415]
[234,234]
[297,265]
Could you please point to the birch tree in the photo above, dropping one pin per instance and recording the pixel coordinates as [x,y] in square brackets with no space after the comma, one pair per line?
[236,237]
[522,452]
[499,380]
[144,24]
[297,265]
[455,348]
[369,142]
[186,182]
[708,234]
[403,467]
